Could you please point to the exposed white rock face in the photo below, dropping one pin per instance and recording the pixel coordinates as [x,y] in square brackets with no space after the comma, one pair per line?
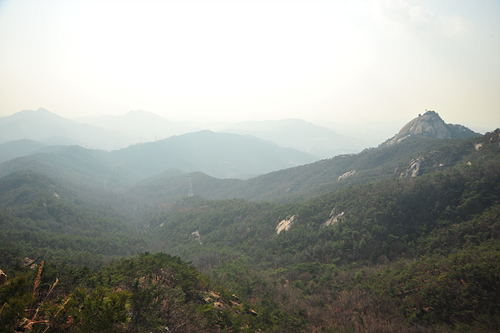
[414,169]
[196,236]
[285,225]
[347,174]
[27,261]
[430,124]
[478,145]
[334,218]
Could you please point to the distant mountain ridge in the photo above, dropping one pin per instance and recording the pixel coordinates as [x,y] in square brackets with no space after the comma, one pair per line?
[431,125]
[409,159]
[47,127]
[117,132]
[19,148]
[141,126]
[301,135]
[220,155]
[278,173]
[289,133]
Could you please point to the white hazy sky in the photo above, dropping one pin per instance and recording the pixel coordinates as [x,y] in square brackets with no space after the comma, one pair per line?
[329,62]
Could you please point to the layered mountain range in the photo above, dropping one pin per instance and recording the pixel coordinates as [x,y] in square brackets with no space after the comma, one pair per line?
[201,162]
[399,238]
[117,132]
[220,155]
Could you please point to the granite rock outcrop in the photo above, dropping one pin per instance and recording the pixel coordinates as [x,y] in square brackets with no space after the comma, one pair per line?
[431,125]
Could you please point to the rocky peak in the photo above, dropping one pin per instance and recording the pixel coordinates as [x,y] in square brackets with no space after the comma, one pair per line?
[431,125]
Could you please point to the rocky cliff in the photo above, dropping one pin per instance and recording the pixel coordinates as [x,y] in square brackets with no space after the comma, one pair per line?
[430,124]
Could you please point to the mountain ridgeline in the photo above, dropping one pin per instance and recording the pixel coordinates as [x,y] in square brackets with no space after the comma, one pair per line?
[299,134]
[217,154]
[163,237]
[117,132]
[209,156]
[424,149]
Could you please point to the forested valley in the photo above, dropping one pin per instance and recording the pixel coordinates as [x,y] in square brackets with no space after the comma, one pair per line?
[376,252]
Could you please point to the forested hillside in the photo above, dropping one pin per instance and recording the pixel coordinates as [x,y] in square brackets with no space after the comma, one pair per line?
[376,251]
[220,155]
[410,158]
[421,251]
[42,217]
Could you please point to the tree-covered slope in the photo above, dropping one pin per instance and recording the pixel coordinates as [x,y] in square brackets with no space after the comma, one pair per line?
[220,155]
[217,154]
[149,293]
[410,158]
[359,264]
[383,212]
[92,168]
[18,148]
[43,217]
[382,254]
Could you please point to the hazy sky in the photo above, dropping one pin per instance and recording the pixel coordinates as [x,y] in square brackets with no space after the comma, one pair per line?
[329,62]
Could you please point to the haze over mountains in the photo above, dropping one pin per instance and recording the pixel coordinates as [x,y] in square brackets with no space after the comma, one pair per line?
[291,133]
[217,154]
[115,132]
[272,171]
[415,156]
[139,125]
[249,166]
[49,128]
[292,232]
[222,165]
[299,134]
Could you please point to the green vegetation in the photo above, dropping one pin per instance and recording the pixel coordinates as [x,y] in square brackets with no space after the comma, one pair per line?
[308,181]
[397,255]
[144,294]
[42,217]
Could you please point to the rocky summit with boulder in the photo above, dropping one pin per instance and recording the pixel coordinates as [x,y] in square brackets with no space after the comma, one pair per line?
[431,125]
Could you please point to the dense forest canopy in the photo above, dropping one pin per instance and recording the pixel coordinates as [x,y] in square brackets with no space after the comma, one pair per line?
[376,251]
